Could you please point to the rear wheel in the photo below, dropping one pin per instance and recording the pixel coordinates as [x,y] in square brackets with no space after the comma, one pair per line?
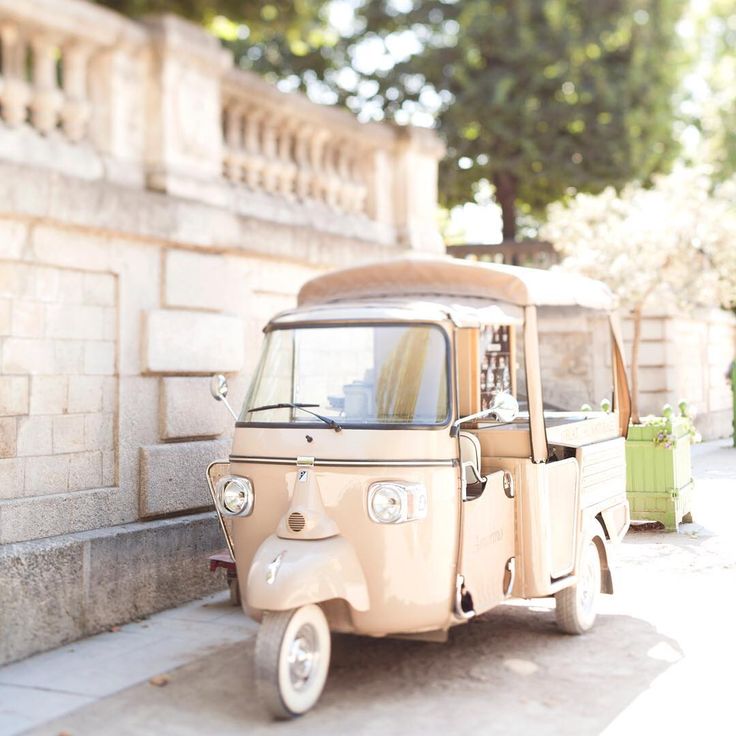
[292,660]
[575,606]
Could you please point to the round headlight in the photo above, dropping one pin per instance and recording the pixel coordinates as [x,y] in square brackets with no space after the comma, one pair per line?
[235,496]
[387,503]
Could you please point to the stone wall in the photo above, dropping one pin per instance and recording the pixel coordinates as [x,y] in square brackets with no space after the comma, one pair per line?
[682,356]
[686,356]
[157,207]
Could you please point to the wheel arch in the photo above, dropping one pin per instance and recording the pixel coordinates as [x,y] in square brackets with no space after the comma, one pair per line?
[287,574]
[600,534]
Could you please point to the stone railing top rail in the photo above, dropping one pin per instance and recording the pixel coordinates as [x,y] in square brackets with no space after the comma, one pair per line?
[245,85]
[74,19]
[248,86]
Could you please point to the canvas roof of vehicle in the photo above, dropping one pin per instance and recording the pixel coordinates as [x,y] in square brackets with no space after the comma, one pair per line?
[445,279]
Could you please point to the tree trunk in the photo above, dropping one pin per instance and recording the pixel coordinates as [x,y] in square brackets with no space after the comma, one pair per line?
[637,312]
[506,186]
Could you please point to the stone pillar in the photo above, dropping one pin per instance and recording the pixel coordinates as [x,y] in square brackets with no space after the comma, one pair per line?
[184,146]
[117,90]
[418,152]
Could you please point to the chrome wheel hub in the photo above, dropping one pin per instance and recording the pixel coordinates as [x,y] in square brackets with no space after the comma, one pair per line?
[303,656]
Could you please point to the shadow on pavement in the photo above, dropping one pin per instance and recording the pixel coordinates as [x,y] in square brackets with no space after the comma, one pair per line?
[508,671]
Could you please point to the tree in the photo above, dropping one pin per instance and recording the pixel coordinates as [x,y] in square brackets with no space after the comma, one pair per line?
[713,99]
[540,97]
[673,243]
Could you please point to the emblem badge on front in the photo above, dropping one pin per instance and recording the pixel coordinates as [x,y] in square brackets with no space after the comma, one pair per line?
[302,475]
[273,568]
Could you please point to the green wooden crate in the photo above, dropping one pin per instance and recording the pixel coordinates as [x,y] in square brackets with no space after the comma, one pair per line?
[733,393]
[669,508]
[659,479]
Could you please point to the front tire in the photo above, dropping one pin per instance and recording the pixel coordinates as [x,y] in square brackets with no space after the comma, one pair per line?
[575,607]
[292,659]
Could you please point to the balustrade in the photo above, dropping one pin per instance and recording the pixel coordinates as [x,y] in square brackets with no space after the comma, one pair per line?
[294,152]
[43,80]
[157,103]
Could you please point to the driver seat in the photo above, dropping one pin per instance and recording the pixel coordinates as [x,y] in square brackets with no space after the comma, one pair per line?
[473,482]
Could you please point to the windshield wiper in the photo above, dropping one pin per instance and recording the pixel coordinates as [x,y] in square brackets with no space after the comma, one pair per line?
[304,407]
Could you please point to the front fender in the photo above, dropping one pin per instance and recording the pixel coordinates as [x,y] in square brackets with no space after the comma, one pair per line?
[288,573]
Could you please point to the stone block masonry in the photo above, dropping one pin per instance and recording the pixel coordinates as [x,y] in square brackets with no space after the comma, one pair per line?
[54,423]
[157,206]
[179,341]
[60,589]
[686,356]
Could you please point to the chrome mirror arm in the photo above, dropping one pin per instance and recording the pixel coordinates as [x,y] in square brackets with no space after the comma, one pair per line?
[504,410]
[218,389]
[229,408]
[462,420]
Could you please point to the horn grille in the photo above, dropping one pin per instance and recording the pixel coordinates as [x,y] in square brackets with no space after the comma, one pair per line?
[296,521]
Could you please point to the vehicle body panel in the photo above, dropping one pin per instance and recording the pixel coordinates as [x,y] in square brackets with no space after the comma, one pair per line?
[409,568]
[286,574]
[567,470]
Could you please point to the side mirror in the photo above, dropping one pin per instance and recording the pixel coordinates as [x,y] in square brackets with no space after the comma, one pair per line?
[504,408]
[218,389]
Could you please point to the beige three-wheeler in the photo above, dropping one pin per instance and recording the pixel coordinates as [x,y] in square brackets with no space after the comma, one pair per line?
[415,449]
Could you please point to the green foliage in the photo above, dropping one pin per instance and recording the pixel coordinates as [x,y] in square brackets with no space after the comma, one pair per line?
[716,41]
[544,96]
[665,436]
[276,38]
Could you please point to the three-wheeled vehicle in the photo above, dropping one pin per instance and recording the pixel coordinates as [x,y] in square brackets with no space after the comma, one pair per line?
[412,452]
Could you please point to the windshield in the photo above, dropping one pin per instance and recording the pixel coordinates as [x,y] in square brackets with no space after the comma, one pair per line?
[356,375]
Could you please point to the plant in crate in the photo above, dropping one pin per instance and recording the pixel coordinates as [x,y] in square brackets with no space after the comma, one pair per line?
[659,479]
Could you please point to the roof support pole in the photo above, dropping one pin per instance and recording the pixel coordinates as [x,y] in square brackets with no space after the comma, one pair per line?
[534,386]
[621,395]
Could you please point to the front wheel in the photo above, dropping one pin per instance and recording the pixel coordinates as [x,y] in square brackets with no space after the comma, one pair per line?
[292,660]
[575,606]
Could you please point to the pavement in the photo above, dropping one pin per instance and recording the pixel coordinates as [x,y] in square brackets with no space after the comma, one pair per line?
[659,660]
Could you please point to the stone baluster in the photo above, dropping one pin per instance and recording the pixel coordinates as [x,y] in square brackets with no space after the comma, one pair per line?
[270,155]
[234,146]
[302,145]
[253,161]
[333,153]
[287,165]
[75,111]
[345,156]
[318,179]
[356,177]
[359,177]
[46,99]
[15,93]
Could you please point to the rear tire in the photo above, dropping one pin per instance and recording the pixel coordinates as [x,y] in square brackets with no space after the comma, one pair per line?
[575,606]
[292,659]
